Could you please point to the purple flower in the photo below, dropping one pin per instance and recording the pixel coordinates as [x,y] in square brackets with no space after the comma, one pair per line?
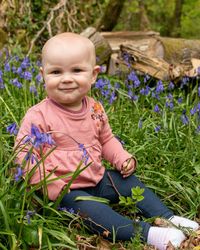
[37,138]
[159,87]
[146,78]
[180,100]
[18,174]
[156,108]
[133,77]
[85,155]
[157,128]
[26,75]
[102,68]
[171,86]
[16,83]
[7,67]
[193,110]
[145,91]
[25,63]
[12,128]
[184,118]
[112,97]
[70,210]
[169,104]
[29,214]
[38,78]
[155,95]
[140,123]
[33,90]
[19,71]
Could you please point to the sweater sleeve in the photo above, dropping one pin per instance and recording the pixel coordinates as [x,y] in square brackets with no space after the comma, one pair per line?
[112,149]
[22,149]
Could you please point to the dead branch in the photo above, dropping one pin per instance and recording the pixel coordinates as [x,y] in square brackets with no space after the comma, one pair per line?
[47,24]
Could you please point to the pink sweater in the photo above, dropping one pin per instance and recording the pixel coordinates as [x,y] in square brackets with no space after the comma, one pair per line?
[89,126]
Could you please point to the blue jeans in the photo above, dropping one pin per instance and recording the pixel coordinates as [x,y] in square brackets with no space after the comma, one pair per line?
[100,217]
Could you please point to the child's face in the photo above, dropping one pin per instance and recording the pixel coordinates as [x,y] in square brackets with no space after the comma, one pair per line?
[69,71]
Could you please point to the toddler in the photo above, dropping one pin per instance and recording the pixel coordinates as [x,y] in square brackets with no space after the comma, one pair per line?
[79,126]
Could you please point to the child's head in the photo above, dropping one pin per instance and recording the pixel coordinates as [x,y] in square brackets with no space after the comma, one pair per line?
[69,68]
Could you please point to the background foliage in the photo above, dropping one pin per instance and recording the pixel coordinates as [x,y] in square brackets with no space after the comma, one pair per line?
[24,21]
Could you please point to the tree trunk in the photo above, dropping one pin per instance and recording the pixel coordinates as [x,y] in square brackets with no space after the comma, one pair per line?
[175,22]
[111,15]
[144,20]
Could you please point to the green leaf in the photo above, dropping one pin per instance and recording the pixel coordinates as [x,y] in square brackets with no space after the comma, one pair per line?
[92,198]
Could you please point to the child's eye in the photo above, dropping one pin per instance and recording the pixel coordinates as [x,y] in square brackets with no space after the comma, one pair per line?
[77,70]
[55,72]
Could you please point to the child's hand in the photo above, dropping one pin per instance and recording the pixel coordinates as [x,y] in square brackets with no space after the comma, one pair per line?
[128,167]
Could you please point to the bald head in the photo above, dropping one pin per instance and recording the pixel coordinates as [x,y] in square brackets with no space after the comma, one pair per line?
[68,42]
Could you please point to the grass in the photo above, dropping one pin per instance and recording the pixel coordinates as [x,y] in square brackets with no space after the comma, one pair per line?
[164,138]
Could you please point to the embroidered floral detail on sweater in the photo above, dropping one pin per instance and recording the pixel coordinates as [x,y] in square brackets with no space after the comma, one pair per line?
[97,112]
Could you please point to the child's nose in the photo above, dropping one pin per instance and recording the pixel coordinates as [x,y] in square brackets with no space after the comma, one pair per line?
[67,77]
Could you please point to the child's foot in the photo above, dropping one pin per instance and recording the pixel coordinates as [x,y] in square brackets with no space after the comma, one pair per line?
[183,222]
[161,236]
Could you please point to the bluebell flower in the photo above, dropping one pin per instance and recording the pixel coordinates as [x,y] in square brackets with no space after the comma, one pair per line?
[102,68]
[112,97]
[70,210]
[171,86]
[16,83]
[38,78]
[155,95]
[14,69]
[180,100]
[184,118]
[18,174]
[85,155]
[169,104]
[140,123]
[157,128]
[25,63]
[146,78]
[19,71]
[159,87]
[33,90]
[156,108]
[7,67]
[12,128]
[170,96]
[193,110]
[145,91]
[37,139]
[26,75]
[133,77]
[126,57]
[29,214]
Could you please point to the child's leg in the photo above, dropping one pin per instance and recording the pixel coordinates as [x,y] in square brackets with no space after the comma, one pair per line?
[100,217]
[150,206]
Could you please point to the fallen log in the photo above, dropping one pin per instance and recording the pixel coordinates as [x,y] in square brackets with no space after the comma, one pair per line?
[160,57]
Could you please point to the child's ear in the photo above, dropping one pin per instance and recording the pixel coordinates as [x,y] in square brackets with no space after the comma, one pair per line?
[96,71]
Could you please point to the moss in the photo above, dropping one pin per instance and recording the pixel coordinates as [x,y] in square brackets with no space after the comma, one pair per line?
[174,48]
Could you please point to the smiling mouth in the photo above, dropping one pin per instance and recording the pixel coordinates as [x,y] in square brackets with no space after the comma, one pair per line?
[68,90]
